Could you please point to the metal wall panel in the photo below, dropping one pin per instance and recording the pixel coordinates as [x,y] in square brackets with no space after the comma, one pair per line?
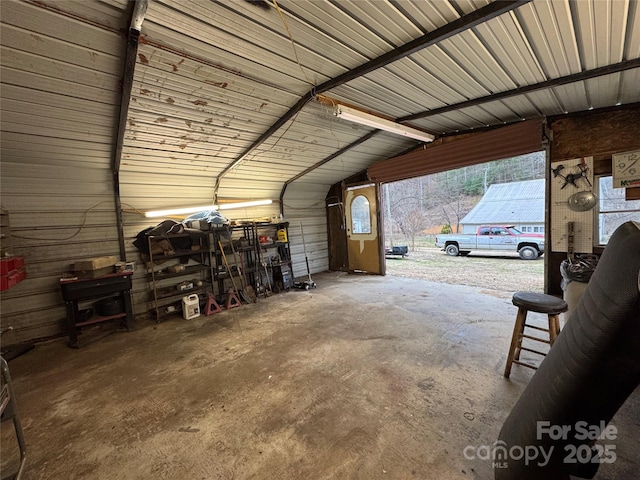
[601,30]
[550,31]
[603,91]
[629,86]
[59,99]
[193,112]
[279,160]
[504,38]
[546,101]
[632,40]
[337,24]
[574,96]
[304,203]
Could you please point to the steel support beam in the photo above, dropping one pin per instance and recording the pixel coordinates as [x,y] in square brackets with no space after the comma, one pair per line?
[492,10]
[133,39]
[470,20]
[555,82]
[322,162]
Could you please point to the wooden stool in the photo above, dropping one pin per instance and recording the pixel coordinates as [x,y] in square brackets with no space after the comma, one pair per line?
[534,302]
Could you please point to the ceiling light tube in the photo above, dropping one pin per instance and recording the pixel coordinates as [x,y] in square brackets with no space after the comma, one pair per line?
[252,203]
[223,206]
[356,116]
[179,211]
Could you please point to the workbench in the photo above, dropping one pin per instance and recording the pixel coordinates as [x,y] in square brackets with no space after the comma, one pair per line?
[76,290]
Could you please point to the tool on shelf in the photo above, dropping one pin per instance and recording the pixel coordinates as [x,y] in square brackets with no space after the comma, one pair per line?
[266,272]
[267,291]
[309,283]
[247,290]
[233,282]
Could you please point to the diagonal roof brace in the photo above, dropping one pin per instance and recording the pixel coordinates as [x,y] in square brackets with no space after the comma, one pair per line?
[322,162]
[554,82]
[465,22]
[472,19]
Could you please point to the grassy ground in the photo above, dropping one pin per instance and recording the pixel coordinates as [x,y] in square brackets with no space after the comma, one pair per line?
[498,272]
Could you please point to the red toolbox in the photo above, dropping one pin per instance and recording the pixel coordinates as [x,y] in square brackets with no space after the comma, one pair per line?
[8,264]
[12,271]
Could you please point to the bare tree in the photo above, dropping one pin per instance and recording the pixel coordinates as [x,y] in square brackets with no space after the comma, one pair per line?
[411,223]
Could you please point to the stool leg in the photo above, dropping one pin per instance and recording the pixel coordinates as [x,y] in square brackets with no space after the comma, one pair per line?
[521,336]
[516,340]
[554,328]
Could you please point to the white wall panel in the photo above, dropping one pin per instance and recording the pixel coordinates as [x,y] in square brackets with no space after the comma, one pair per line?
[304,203]
[59,98]
[629,87]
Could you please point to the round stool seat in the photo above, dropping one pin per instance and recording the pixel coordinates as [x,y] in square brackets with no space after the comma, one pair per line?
[539,302]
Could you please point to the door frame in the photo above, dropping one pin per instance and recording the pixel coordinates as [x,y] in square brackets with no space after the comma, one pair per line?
[378,218]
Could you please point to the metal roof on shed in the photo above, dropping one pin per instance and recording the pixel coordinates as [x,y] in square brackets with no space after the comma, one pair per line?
[509,203]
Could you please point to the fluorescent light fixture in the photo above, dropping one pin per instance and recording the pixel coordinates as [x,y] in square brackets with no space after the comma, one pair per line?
[356,116]
[252,203]
[179,211]
[223,206]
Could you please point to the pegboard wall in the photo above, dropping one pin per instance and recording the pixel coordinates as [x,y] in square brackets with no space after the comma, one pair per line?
[569,177]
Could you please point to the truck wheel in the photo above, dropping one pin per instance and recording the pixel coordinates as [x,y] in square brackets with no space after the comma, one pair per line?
[528,253]
[452,249]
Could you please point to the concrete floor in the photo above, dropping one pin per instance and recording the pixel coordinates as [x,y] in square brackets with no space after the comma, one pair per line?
[363,378]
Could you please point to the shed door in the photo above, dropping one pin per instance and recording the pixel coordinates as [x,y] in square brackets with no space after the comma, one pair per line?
[363,240]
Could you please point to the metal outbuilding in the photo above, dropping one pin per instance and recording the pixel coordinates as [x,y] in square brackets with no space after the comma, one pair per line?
[111,108]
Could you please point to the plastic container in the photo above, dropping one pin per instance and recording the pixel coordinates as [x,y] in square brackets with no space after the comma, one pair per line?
[282,235]
[190,307]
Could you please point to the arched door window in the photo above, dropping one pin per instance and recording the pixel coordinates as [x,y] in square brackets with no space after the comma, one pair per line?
[360,215]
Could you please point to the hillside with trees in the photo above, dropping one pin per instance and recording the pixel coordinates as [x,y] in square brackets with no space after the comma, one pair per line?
[436,203]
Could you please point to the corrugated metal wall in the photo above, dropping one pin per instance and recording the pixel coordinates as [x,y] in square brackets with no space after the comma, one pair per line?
[305,199]
[304,204]
[59,99]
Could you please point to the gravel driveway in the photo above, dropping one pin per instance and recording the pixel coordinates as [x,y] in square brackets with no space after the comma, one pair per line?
[492,271]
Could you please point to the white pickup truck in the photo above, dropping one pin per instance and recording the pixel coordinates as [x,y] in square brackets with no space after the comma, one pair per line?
[496,238]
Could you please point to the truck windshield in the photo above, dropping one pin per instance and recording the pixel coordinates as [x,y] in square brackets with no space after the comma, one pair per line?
[514,230]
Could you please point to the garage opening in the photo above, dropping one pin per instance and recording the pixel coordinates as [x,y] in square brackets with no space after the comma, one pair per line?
[496,206]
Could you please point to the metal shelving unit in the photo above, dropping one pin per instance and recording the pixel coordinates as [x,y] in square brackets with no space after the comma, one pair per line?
[243,261]
[275,254]
[193,266]
[266,265]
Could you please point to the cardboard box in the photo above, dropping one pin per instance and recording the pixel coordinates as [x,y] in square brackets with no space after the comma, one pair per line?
[96,263]
[90,274]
